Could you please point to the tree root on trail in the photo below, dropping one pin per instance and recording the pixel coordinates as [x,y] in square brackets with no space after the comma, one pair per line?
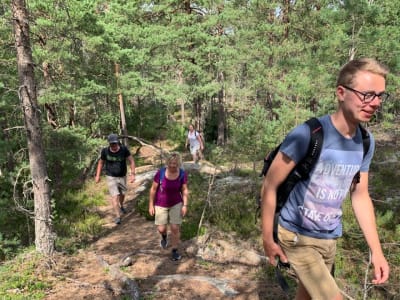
[131,288]
[220,284]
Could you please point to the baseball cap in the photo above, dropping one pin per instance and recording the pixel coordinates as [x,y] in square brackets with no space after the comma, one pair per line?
[113,138]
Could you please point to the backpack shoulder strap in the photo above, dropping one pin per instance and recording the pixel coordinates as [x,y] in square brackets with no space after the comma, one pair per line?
[181,175]
[314,148]
[162,175]
[302,170]
[366,143]
[366,139]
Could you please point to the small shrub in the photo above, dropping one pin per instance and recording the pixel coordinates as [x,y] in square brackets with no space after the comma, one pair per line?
[8,247]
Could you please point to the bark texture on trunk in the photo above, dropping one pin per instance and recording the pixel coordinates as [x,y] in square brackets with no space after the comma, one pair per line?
[44,235]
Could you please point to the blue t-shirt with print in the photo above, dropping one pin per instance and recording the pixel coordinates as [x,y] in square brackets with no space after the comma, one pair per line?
[314,205]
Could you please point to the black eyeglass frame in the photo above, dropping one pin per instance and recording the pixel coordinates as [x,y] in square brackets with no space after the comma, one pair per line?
[382,96]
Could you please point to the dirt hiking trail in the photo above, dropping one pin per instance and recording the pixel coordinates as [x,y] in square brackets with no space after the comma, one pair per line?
[127,262]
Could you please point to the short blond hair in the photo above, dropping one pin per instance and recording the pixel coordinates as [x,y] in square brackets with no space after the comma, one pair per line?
[174,156]
[349,70]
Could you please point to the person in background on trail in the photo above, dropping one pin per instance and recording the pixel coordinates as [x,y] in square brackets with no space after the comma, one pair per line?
[168,201]
[195,142]
[311,220]
[114,158]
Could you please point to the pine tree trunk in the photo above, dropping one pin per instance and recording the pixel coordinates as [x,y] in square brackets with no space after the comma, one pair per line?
[198,113]
[221,119]
[121,107]
[44,236]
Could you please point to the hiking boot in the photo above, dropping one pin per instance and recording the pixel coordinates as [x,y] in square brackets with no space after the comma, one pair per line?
[175,255]
[122,209]
[117,221]
[164,242]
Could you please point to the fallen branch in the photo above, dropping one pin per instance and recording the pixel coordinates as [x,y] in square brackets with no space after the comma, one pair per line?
[366,285]
[207,202]
[140,141]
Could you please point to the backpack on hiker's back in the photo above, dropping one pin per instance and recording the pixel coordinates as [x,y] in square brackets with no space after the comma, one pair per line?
[162,175]
[302,170]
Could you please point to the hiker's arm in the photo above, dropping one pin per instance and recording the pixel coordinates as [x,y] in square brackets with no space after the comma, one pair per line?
[185,194]
[200,141]
[98,170]
[365,215]
[279,170]
[132,173]
[153,191]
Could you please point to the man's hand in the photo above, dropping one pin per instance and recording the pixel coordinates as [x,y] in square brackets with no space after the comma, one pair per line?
[272,251]
[381,269]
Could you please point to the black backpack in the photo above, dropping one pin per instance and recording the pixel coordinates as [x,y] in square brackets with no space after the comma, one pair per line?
[302,170]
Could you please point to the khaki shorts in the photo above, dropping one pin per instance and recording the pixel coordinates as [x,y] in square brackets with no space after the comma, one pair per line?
[312,259]
[172,213]
[116,185]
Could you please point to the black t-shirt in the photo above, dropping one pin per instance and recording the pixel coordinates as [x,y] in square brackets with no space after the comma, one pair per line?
[115,161]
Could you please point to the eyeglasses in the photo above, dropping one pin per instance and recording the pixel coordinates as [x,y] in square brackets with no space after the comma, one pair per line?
[369,96]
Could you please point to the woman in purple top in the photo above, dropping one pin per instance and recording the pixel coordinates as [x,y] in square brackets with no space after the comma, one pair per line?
[168,201]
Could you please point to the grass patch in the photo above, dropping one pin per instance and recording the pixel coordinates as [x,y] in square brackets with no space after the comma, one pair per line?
[21,278]
[77,220]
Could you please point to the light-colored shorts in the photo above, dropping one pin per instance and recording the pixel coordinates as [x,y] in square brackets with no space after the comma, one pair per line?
[116,185]
[168,215]
[194,149]
[312,259]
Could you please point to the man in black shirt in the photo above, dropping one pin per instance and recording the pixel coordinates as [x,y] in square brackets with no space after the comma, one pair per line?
[114,158]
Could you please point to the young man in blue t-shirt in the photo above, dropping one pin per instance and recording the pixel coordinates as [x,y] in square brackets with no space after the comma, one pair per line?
[310,222]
